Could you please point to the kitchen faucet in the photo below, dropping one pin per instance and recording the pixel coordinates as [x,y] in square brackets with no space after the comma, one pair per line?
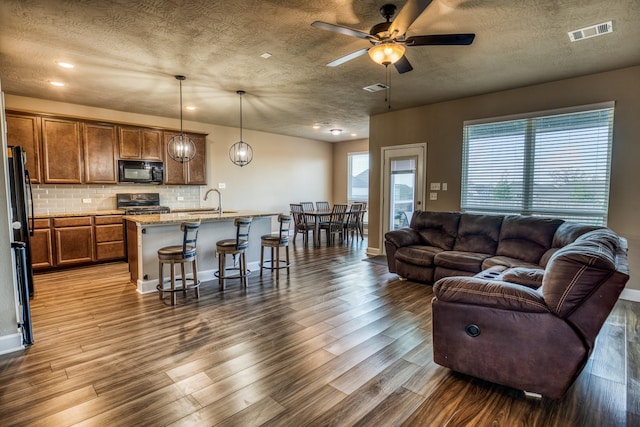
[219,198]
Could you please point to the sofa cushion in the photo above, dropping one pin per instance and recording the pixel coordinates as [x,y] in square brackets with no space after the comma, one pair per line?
[489,293]
[457,260]
[437,229]
[529,277]
[417,255]
[478,233]
[576,270]
[526,238]
[507,261]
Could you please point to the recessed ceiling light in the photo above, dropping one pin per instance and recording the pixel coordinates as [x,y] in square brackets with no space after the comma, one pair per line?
[316,126]
[190,107]
[336,131]
[354,134]
[59,84]
[266,55]
[65,64]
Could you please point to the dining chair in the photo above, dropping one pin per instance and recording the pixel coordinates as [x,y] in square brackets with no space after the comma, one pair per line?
[307,206]
[352,223]
[323,206]
[335,224]
[301,225]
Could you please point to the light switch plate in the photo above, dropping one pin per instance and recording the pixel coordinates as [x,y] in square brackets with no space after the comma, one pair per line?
[86,200]
[221,185]
[433,196]
[435,186]
[180,198]
[444,186]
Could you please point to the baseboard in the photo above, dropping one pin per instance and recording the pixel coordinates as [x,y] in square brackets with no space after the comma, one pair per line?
[373,251]
[630,295]
[11,343]
[149,286]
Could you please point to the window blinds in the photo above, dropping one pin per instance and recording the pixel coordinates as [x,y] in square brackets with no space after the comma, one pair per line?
[548,165]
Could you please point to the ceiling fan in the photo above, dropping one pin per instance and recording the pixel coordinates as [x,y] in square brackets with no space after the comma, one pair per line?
[389,38]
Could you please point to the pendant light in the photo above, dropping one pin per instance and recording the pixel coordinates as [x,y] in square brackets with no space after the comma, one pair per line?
[241,153]
[181,148]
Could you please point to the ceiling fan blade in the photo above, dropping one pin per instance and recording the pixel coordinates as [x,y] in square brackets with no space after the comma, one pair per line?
[403,65]
[440,40]
[348,57]
[407,15]
[340,29]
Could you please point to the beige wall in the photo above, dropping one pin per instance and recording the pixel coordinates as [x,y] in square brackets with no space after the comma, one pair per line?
[440,126]
[341,151]
[284,169]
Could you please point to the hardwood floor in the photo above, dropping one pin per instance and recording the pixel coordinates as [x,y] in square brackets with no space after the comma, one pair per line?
[340,342]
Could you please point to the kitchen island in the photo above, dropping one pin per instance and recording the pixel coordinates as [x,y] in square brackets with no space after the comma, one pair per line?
[148,233]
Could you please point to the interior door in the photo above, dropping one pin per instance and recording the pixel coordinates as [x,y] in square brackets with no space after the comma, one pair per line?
[403,184]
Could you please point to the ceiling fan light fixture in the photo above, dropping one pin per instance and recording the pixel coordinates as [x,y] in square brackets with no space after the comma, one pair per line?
[180,147]
[386,53]
[241,153]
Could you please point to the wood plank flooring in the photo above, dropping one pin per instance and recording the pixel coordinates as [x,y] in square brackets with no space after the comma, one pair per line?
[340,342]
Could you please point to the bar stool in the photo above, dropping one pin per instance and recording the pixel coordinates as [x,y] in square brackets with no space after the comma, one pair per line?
[237,246]
[173,255]
[275,242]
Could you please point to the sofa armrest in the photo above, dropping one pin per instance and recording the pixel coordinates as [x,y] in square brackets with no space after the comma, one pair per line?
[489,293]
[403,237]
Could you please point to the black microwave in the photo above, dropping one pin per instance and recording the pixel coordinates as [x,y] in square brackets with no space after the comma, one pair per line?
[140,171]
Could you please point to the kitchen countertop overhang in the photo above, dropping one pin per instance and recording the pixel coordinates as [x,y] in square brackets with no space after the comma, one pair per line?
[204,216]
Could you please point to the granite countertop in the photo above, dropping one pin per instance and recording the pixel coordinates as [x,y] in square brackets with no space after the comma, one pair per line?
[72,214]
[193,215]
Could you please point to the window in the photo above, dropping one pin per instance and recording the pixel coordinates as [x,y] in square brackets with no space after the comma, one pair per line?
[358,185]
[543,165]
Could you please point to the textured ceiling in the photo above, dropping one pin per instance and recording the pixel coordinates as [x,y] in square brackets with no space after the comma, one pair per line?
[127,52]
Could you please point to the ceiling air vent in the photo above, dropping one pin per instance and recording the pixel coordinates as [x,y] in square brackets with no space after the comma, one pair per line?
[592,31]
[376,87]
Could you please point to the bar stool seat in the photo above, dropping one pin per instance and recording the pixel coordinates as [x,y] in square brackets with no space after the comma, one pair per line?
[180,254]
[275,242]
[234,247]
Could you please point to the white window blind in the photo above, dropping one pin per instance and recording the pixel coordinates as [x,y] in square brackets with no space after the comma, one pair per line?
[546,165]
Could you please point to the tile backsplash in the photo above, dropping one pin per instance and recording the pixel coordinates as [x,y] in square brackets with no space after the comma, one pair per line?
[51,199]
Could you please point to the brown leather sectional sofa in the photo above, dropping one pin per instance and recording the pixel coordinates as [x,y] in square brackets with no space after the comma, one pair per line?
[519,300]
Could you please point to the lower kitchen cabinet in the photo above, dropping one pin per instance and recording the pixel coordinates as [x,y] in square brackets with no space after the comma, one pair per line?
[41,244]
[74,240]
[109,232]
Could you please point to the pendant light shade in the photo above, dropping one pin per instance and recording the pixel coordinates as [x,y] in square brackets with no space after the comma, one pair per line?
[241,153]
[180,147]
[386,53]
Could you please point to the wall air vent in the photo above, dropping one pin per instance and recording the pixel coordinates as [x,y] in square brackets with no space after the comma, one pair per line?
[592,31]
[376,87]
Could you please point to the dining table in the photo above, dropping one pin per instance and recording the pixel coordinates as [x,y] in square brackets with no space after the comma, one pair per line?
[323,215]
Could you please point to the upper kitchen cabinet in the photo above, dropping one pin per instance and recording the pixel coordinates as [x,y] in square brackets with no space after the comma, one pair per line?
[24,130]
[100,153]
[61,151]
[193,172]
[140,143]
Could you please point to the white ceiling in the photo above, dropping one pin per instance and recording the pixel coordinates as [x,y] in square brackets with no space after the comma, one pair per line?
[127,53]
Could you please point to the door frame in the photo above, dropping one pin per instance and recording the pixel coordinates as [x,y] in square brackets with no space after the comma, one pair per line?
[419,149]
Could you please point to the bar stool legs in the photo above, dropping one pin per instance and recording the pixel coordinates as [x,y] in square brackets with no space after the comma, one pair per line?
[275,242]
[180,254]
[237,246]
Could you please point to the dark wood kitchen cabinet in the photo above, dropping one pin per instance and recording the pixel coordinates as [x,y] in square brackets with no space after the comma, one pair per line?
[140,143]
[192,172]
[100,152]
[61,151]
[74,240]
[23,130]
[109,232]
[41,244]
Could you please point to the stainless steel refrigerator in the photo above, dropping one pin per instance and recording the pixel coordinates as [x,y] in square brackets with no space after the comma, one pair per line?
[21,199]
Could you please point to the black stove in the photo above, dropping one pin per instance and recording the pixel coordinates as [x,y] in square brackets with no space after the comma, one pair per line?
[140,203]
